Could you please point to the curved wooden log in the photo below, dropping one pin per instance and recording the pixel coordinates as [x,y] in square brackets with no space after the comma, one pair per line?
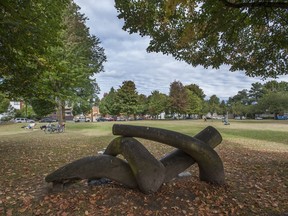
[148,171]
[178,161]
[95,167]
[210,165]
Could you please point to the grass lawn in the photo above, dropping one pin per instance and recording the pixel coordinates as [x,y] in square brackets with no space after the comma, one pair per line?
[254,154]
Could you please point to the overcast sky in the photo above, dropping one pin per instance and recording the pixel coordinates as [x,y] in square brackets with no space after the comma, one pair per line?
[127,59]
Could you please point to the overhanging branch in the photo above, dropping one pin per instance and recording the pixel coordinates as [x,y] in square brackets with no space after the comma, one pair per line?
[268,4]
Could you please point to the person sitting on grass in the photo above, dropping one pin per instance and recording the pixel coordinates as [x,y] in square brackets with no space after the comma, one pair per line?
[30,126]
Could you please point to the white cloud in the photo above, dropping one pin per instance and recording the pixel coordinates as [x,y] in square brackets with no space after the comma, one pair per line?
[128,60]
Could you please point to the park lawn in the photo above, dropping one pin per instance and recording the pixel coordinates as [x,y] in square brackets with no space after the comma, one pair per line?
[254,154]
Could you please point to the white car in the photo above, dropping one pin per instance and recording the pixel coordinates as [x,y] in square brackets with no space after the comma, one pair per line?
[82,119]
[20,120]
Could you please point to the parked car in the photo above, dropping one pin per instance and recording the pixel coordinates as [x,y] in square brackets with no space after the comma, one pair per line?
[48,119]
[101,119]
[240,118]
[120,119]
[258,118]
[30,121]
[82,119]
[20,120]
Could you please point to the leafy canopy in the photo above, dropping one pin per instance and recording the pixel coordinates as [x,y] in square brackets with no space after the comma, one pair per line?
[178,98]
[157,103]
[127,97]
[247,35]
[109,104]
[4,103]
[27,29]
[73,62]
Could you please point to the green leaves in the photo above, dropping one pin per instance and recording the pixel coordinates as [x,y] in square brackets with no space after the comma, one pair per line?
[274,102]
[27,29]
[178,98]
[47,52]
[247,36]
[4,103]
[157,103]
[127,97]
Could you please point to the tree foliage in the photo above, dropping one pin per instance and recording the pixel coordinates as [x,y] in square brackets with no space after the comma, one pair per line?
[195,103]
[157,104]
[43,107]
[4,103]
[178,98]
[48,54]
[127,97]
[187,100]
[142,105]
[256,92]
[109,104]
[247,35]
[73,63]
[214,104]
[274,86]
[274,102]
[27,30]
[195,89]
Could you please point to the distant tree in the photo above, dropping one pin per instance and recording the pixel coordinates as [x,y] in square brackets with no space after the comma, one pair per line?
[247,35]
[110,104]
[127,97]
[27,111]
[82,108]
[256,92]
[103,105]
[142,105]
[205,108]
[240,103]
[223,107]
[240,109]
[274,86]
[178,98]
[241,97]
[196,90]
[214,104]
[274,102]
[157,103]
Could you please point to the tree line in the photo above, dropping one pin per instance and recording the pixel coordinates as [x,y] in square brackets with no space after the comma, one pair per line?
[190,101]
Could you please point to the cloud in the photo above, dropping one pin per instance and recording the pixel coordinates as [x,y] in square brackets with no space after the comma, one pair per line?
[128,60]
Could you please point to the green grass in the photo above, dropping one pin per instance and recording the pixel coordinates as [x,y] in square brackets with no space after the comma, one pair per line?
[272,131]
[272,136]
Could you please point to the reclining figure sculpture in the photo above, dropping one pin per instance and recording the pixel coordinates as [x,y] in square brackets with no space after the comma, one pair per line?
[141,169]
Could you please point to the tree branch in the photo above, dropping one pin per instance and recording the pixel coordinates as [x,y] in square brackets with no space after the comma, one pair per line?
[255,4]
